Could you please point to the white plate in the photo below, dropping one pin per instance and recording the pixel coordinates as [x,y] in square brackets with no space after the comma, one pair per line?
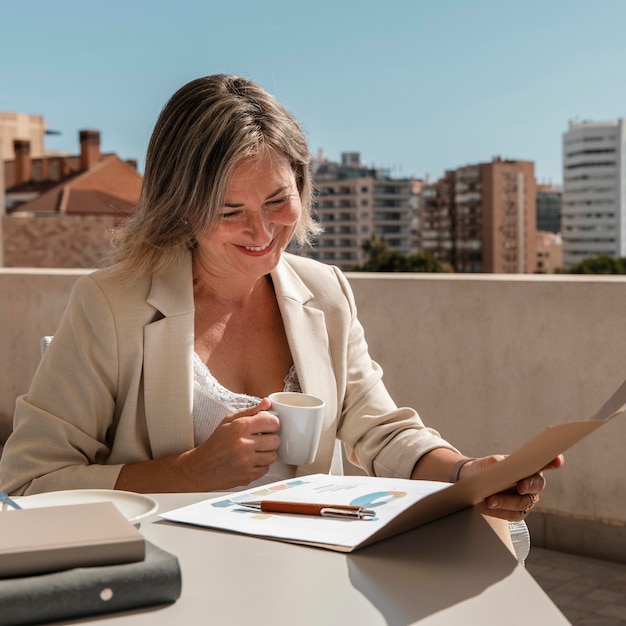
[134,506]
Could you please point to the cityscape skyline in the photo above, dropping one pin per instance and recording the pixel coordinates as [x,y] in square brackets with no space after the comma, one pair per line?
[415,87]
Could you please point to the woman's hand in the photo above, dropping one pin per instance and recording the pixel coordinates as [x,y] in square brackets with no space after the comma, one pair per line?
[239,451]
[513,504]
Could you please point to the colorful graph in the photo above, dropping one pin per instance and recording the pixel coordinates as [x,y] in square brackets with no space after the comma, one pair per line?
[377,498]
[265,491]
[369,500]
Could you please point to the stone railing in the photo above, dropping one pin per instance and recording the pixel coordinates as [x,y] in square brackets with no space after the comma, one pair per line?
[488,360]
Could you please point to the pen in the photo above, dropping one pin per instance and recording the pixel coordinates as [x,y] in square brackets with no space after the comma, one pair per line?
[345,511]
[4,498]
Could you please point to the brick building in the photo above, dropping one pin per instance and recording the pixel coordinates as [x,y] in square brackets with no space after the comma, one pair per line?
[482,218]
[60,209]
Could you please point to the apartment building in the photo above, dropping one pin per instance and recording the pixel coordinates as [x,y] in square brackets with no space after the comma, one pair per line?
[549,198]
[354,202]
[593,215]
[548,252]
[482,217]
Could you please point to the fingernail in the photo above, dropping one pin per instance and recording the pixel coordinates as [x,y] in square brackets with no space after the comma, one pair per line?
[494,503]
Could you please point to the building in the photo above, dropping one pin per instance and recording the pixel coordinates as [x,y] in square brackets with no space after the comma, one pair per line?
[435,219]
[549,199]
[548,252]
[482,217]
[60,210]
[354,202]
[21,126]
[593,215]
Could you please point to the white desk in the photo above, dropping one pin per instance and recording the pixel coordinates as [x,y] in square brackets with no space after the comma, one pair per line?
[453,571]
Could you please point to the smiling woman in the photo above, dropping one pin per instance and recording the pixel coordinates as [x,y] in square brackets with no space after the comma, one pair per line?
[159,374]
[261,211]
[208,128]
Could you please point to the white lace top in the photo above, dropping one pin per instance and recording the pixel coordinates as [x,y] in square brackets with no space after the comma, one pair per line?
[212,403]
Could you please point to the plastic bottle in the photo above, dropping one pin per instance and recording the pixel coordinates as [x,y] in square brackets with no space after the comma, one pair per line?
[520,536]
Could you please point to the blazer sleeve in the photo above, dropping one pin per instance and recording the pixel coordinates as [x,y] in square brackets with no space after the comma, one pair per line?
[380,437]
[63,425]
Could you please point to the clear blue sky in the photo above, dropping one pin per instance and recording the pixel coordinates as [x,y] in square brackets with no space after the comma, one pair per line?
[417,86]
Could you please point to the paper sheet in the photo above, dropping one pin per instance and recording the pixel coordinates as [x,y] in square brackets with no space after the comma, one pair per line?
[387,496]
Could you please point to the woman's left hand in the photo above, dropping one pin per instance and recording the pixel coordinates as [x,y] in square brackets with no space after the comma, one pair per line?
[513,504]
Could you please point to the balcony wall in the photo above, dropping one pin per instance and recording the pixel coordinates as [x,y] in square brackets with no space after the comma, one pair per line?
[488,360]
[31,304]
[491,361]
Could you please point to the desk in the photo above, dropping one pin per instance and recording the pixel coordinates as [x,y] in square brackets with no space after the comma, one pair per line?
[453,571]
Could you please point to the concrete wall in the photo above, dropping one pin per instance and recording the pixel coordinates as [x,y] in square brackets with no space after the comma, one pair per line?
[491,361]
[56,240]
[31,304]
[488,360]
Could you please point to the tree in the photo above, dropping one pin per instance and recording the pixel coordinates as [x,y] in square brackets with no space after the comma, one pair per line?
[376,249]
[381,259]
[603,264]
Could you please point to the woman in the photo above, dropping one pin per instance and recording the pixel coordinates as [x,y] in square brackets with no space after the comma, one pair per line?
[158,376]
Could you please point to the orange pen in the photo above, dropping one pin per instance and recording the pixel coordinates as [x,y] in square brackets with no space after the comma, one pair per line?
[345,511]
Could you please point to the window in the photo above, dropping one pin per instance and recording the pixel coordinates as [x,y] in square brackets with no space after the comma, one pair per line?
[54,170]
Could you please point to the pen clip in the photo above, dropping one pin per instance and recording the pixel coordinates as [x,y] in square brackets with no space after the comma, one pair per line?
[251,506]
[339,513]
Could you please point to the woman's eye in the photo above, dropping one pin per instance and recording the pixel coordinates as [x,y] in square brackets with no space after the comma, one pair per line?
[279,201]
[230,214]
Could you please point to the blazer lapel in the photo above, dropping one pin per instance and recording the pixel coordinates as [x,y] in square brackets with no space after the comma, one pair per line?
[307,335]
[168,361]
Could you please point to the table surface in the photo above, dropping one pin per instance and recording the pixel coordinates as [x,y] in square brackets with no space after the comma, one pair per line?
[452,571]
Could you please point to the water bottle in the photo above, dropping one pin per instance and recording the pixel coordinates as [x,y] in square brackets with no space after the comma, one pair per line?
[521,540]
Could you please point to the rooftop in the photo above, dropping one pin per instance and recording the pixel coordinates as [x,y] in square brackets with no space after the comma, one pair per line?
[489,361]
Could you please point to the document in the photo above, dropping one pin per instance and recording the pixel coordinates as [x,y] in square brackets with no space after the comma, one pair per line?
[388,497]
[399,504]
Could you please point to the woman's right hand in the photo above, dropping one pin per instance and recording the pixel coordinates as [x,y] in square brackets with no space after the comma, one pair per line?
[239,451]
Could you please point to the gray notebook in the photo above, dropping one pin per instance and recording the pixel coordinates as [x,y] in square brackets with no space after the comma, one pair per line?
[86,591]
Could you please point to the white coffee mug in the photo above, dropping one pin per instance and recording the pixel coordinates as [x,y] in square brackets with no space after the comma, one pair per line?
[301,417]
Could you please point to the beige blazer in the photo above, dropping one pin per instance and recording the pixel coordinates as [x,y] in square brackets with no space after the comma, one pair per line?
[116,383]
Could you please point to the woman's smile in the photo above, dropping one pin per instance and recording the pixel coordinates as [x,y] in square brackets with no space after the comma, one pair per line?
[259,250]
[261,210]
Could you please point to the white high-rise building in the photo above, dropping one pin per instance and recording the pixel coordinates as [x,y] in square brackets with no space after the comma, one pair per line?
[593,211]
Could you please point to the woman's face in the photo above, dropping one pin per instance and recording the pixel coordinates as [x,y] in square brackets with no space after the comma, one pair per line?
[261,210]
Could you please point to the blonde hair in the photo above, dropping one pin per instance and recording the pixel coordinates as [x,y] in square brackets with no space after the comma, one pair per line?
[206,128]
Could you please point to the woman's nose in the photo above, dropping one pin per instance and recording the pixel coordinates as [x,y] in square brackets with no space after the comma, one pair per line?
[259,224]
